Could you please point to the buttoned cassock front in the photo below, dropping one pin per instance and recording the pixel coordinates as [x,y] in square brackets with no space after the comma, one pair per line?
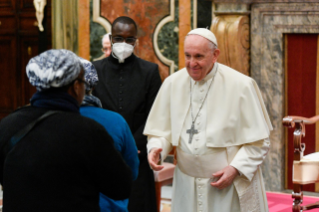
[233,129]
[130,88]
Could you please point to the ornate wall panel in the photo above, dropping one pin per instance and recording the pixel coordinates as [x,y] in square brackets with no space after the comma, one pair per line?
[268,24]
[167,39]
[150,17]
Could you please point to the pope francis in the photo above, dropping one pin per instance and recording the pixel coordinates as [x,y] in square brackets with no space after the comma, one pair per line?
[217,120]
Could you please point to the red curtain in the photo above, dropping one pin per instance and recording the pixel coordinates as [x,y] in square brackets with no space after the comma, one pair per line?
[301,71]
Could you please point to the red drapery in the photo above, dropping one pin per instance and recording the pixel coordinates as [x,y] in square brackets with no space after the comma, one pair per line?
[301,71]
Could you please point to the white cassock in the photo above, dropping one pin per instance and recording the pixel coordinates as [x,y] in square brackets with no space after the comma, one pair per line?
[233,129]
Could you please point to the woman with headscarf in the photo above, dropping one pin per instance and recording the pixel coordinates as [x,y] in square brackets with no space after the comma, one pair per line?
[117,127]
[64,160]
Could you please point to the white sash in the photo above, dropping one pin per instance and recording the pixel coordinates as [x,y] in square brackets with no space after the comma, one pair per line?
[202,166]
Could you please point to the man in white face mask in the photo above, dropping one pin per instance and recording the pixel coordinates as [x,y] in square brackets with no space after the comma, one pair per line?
[128,85]
[122,47]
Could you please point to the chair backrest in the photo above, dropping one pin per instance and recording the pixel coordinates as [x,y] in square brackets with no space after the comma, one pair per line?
[299,168]
[299,123]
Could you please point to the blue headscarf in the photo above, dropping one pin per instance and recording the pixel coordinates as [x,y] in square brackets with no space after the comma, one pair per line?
[90,74]
[92,79]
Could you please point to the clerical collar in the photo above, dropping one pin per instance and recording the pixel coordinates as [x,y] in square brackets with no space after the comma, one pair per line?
[114,59]
[209,76]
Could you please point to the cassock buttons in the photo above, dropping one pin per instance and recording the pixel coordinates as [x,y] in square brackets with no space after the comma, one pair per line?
[120,91]
[121,99]
[120,108]
[121,85]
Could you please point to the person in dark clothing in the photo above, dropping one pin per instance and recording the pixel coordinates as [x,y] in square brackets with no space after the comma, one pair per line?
[128,85]
[66,159]
[118,129]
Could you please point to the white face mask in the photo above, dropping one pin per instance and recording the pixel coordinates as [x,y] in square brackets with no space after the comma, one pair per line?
[122,51]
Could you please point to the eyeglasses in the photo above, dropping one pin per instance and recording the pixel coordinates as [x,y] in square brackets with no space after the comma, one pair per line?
[121,39]
[105,49]
[83,81]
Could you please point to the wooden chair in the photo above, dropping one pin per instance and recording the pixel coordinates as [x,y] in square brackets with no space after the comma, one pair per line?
[305,168]
[162,178]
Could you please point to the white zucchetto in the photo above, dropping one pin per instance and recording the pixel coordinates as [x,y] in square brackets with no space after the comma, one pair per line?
[206,33]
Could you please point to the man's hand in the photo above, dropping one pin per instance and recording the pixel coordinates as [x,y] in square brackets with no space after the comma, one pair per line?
[226,177]
[153,159]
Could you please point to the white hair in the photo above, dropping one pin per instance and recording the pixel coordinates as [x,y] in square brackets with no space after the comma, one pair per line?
[212,46]
[106,36]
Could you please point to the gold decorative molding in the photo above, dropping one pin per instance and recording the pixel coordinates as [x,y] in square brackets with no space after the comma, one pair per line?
[158,53]
[65,25]
[98,18]
[232,33]
[195,14]
[286,108]
[317,107]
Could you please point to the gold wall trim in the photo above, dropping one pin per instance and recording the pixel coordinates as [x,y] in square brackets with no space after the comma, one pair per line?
[98,18]
[159,26]
[286,109]
[317,106]
[194,14]
[65,24]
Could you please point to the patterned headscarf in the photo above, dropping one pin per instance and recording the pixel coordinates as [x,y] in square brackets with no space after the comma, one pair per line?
[90,74]
[53,68]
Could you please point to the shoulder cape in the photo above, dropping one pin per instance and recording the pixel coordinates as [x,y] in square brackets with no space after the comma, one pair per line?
[235,109]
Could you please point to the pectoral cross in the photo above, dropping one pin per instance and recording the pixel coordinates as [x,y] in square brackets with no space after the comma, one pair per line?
[191,132]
